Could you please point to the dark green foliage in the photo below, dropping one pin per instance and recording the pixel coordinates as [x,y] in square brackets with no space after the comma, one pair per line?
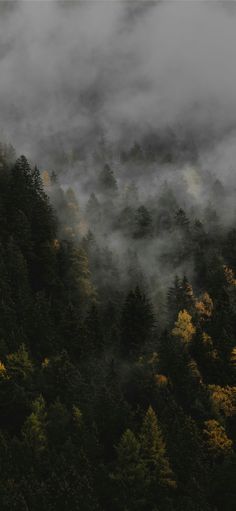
[107,180]
[143,477]
[181,220]
[143,223]
[179,297]
[137,323]
[100,409]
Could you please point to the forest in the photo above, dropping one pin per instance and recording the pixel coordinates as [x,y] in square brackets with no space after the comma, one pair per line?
[117,334]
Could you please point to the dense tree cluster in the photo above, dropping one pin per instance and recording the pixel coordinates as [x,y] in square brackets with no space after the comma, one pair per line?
[110,398]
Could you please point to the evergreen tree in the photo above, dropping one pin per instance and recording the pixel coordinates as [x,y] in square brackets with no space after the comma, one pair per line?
[137,323]
[93,335]
[153,453]
[179,296]
[93,209]
[181,220]
[107,180]
[136,153]
[79,276]
[130,476]
[143,223]
[34,430]
[78,368]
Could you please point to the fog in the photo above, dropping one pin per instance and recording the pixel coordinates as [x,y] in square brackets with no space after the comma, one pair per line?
[80,82]
[71,70]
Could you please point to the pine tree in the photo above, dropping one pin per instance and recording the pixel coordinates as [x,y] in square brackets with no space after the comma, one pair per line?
[130,475]
[181,220]
[80,276]
[153,452]
[107,180]
[174,300]
[37,182]
[93,210]
[180,296]
[126,221]
[22,193]
[131,197]
[93,335]
[72,211]
[34,430]
[143,475]
[54,178]
[19,365]
[143,223]
[137,323]
[136,153]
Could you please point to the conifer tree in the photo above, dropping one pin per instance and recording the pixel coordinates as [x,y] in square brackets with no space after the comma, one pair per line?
[34,430]
[93,208]
[107,180]
[80,276]
[181,220]
[137,323]
[93,335]
[130,475]
[153,452]
[143,227]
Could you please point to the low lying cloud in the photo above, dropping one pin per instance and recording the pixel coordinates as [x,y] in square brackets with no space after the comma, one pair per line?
[71,69]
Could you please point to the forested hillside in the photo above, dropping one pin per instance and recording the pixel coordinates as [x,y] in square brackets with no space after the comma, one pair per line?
[117,366]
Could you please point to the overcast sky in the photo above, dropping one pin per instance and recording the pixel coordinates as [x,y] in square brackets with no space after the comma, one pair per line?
[69,67]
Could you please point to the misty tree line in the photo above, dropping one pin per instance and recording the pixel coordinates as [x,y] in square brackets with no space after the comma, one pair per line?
[112,397]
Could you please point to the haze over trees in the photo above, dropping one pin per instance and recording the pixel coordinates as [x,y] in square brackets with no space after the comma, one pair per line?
[117,256]
[117,379]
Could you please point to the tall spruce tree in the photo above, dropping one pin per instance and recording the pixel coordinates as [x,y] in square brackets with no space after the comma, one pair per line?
[137,323]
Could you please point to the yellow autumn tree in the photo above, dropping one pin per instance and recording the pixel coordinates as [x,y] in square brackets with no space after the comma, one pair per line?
[233,357]
[229,276]
[224,399]
[46,179]
[204,306]
[161,380]
[184,328]
[56,244]
[218,443]
[207,341]
[3,371]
